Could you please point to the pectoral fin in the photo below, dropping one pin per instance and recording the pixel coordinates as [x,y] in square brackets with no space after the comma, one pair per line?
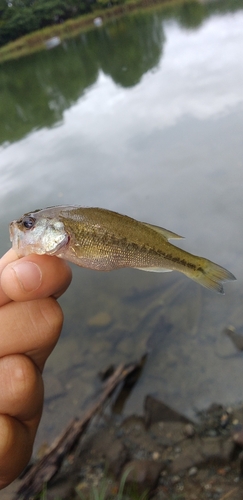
[168,235]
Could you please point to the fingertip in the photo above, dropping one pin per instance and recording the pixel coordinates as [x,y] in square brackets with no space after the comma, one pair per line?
[34,277]
[53,315]
[46,320]
[26,275]
[20,278]
[21,387]
[16,445]
[32,328]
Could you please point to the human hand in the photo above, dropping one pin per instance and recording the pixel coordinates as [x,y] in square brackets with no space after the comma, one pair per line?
[30,325]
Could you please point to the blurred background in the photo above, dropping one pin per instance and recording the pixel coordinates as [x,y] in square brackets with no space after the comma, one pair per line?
[142,116]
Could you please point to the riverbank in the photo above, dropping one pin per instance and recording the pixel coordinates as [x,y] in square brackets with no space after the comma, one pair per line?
[161,455]
[37,40]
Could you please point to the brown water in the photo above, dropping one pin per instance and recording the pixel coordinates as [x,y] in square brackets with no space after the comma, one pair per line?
[143,116]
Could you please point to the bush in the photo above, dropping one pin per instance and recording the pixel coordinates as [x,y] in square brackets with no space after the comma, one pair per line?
[25,16]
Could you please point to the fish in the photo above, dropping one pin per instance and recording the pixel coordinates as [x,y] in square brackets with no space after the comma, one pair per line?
[103,240]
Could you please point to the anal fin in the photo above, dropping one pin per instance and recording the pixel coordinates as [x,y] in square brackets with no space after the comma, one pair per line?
[154,269]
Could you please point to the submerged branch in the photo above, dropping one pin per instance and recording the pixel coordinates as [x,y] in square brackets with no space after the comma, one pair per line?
[49,465]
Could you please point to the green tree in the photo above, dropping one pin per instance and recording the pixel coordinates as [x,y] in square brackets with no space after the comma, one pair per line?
[3,7]
[22,21]
[4,10]
[20,17]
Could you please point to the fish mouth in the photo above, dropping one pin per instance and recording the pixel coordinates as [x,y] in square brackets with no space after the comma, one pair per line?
[11,230]
[15,236]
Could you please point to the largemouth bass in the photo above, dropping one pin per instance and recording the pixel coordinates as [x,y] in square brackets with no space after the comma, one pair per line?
[100,239]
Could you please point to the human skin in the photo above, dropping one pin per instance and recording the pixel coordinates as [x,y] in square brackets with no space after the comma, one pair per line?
[30,325]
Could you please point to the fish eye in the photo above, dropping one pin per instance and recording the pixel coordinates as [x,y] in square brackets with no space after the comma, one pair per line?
[28,222]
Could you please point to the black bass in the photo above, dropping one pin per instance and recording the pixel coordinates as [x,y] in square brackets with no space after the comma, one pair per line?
[100,239]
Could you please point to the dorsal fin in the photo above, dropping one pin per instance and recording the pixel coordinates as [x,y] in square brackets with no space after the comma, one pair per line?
[168,235]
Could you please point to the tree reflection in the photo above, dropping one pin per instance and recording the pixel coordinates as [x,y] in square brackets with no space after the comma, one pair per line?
[130,47]
[37,89]
[191,15]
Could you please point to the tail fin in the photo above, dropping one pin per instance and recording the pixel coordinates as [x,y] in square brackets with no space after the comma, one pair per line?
[212,276]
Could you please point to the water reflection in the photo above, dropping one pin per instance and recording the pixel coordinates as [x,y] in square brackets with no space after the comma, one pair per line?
[130,47]
[162,144]
[35,91]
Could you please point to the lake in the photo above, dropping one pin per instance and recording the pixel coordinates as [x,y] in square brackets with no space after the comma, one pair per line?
[143,116]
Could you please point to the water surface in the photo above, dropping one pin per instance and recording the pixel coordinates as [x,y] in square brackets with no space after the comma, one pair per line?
[143,116]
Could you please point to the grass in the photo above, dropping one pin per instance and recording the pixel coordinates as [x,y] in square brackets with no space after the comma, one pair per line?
[101,492]
[42,495]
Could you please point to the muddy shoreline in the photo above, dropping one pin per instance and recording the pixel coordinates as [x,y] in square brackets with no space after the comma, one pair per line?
[161,455]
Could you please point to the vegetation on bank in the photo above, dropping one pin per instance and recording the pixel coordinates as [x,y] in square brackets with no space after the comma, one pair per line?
[44,19]
[20,17]
[35,40]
